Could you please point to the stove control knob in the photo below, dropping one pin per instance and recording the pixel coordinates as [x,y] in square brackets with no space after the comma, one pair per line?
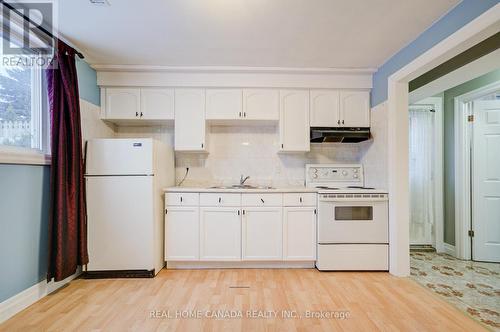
[355,170]
[355,176]
[344,173]
[315,176]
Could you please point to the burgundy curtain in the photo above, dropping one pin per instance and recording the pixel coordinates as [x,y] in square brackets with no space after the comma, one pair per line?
[67,220]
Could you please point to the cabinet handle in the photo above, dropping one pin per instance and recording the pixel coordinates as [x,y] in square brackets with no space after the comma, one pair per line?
[166,211]
[282,146]
[315,212]
[338,121]
[243,212]
[141,114]
[244,114]
[238,212]
[219,199]
[136,113]
[262,200]
[240,114]
[181,199]
[342,121]
[202,145]
[300,199]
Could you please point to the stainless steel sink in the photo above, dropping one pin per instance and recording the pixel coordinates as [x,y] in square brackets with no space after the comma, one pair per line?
[241,186]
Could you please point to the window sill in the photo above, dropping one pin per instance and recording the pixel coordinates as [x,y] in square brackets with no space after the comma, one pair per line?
[22,157]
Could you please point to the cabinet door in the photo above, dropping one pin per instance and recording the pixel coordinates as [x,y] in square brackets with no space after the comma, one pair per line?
[355,108]
[182,235]
[294,120]
[223,104]
[325,108]
[220,234]
[123,103]
[190,120]
[261,104]
[299,233]
[262,234]
[157,104]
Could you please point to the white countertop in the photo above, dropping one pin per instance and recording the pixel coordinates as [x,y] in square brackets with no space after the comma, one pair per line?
[240,190]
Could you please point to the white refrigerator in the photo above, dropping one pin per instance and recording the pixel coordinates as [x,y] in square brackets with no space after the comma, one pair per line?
[124,182]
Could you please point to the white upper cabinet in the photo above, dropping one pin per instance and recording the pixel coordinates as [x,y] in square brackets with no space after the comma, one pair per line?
[355,108]
[325,108]
[224,104]
[261,104]
[294,120]
[157,104]
[122,103]
[190,120]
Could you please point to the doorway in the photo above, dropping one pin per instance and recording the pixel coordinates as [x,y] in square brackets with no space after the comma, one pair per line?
[425,166]
[479,219]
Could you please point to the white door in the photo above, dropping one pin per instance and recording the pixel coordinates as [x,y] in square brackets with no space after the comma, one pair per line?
[190,120]
[354,109]
[299,233]
[422,142]
[262,234]
[261,104]
[325,108]
[224,104]
[123,103]
[120,221]
[220,234]
[486,181]
[157,104]
[182,233]
[294,120]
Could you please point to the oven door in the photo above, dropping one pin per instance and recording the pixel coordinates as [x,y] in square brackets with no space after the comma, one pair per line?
[342,220]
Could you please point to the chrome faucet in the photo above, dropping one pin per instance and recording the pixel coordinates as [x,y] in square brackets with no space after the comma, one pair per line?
[243,179]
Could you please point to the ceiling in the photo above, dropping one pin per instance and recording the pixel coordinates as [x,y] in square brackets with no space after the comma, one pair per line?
[267,33]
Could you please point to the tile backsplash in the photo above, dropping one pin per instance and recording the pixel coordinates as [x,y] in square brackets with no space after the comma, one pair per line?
[253,151]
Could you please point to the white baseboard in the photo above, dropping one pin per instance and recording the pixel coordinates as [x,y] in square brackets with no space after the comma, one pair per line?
[27,297]
[194,265]
[449,249]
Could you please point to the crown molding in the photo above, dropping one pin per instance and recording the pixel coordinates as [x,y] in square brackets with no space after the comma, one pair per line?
[231,69]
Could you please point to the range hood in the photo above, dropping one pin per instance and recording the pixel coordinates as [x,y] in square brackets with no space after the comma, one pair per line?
[339,135]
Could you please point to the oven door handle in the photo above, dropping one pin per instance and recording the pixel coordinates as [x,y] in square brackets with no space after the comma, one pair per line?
[353,200]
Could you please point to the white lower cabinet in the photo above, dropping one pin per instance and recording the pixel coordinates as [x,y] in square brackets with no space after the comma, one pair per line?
[220,234]
[248,227]
[182,234]
[299,233]
[262,233]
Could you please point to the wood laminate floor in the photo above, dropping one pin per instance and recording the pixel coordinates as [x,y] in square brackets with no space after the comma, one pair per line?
[350,301]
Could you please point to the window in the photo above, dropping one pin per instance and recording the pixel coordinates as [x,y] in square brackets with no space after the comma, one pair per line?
[23,111]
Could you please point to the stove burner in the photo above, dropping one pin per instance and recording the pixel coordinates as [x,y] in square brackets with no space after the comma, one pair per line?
[359,187]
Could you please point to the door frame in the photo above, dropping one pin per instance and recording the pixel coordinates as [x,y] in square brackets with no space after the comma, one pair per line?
[469,35]
[463,169]
[437,104]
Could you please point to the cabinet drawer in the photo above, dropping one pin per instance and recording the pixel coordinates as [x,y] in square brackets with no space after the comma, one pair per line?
[261,199]
[220,199]
[299,199]
[182,199]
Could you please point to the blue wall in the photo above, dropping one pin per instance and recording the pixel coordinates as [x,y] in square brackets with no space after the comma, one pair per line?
[87,82]
[456,18]
[24,202]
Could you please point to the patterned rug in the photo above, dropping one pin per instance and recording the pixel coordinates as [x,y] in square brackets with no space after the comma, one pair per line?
[473,287]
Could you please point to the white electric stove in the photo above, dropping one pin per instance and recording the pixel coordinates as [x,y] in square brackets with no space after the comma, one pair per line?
[353,225]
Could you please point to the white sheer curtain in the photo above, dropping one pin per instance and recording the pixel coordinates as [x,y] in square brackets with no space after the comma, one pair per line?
[421,175]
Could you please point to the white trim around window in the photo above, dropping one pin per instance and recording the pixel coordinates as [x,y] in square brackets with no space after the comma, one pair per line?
[14,155]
